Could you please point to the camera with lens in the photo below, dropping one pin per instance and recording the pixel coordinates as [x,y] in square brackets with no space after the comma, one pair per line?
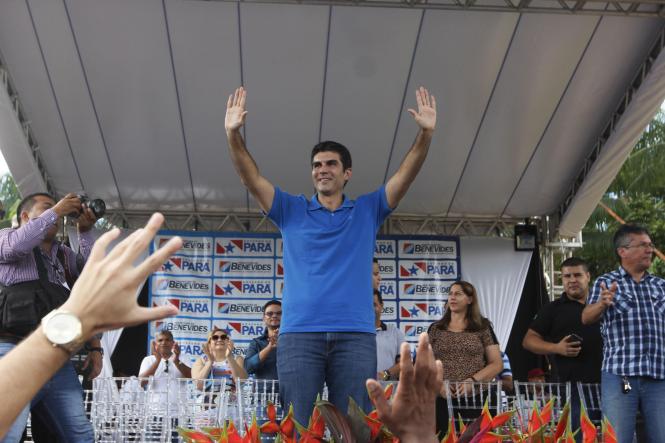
[97,206]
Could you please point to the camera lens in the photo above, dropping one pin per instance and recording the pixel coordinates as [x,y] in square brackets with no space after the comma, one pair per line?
[98,207]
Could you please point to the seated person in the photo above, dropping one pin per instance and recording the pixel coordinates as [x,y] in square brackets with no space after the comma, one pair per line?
[261,357]
[164,363]
[506,376]
[218,362]
[389,339]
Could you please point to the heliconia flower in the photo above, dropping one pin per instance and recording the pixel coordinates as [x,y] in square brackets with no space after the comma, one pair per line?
[252,433]
[374,427]
[388,391]
[271,412]
[269,427]
[194,436]
[534,422]
[215,433]
[546,414]
[287,427]
[609,436]
[563,422]
[485,414]
[589,432]
[501,419]
[450,436]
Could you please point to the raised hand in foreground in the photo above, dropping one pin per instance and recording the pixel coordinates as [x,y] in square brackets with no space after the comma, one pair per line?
[103,298]
[410,415]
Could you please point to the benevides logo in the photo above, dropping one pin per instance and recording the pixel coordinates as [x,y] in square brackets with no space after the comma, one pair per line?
[425,289]
[415,330]
[188,243]
[427,248]
[252,246]
[245,266]
[181,327]
[188,285]
[238,308]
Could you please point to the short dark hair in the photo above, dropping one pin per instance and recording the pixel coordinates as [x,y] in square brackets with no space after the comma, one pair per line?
[375,260]
[621,236]
[575,261]
[331,146]
[28,202]
[165,332]
[378,295]
[270,303]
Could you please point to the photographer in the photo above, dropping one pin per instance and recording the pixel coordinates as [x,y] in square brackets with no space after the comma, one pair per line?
[36,273]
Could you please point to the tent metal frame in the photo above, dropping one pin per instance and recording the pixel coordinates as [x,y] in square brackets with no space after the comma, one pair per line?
[236,221]
[639,78]
[624,8]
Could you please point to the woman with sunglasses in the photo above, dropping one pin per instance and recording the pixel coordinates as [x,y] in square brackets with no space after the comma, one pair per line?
[218,361]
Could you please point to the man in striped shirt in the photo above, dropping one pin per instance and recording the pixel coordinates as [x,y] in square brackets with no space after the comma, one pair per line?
[630,304]
[60,402]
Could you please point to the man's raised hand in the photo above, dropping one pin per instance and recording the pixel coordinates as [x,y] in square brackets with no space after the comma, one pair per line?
[607,295]
[426,114]
[235,110]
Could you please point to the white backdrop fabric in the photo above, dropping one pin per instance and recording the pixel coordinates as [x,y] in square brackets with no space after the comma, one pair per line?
[498,272]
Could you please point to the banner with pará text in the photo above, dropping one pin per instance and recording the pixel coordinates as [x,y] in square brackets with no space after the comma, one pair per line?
[224,279]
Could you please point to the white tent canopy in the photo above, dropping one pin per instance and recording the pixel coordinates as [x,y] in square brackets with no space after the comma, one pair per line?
[126,100]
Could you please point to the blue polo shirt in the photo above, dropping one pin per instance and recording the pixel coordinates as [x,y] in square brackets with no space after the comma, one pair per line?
[328,261]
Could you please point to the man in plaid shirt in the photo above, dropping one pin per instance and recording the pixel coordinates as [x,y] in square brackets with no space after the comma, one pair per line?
[630,304]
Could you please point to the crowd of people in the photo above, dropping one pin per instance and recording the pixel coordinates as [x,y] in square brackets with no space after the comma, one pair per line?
[329,332]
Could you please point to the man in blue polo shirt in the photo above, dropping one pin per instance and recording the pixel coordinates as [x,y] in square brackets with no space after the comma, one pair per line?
[630,305]
[327,332]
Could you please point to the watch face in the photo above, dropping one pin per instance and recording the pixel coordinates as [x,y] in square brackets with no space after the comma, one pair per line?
[63,328]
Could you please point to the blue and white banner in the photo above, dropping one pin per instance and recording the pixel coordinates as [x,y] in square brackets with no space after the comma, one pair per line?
[224,279]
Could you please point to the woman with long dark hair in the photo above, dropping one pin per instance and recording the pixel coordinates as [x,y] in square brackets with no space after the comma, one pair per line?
[465,343]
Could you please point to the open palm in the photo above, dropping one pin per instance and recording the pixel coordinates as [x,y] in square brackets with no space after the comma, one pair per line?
[426,114]
[235,110]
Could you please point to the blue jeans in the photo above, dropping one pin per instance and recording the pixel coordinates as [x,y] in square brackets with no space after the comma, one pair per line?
[59,402]
[344,360]
[647,394]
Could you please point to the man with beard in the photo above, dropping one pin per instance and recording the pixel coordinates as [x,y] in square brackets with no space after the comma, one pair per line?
[557,330]
[261,358]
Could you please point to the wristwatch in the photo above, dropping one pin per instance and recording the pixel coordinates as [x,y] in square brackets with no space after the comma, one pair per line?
[386,375]
[63,329]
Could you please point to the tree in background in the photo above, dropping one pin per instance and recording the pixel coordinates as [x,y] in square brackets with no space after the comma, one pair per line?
[637,195]
[10,198]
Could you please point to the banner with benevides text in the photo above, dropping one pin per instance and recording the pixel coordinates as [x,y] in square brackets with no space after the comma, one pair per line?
[224,279]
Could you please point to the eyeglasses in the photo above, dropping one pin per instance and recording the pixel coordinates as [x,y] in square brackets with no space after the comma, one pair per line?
[166,366]
[219,337]
[273,314]
[643,245]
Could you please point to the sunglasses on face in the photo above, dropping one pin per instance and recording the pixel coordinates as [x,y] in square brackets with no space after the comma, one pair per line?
[219,337]
[273,314]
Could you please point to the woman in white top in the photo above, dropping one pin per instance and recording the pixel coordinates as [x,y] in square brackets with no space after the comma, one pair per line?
[218,361]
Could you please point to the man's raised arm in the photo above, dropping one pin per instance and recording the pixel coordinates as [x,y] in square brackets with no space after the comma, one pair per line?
[262,190]
[426,118]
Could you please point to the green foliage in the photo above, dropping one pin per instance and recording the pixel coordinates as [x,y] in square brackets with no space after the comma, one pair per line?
[10,198]
[637,195]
